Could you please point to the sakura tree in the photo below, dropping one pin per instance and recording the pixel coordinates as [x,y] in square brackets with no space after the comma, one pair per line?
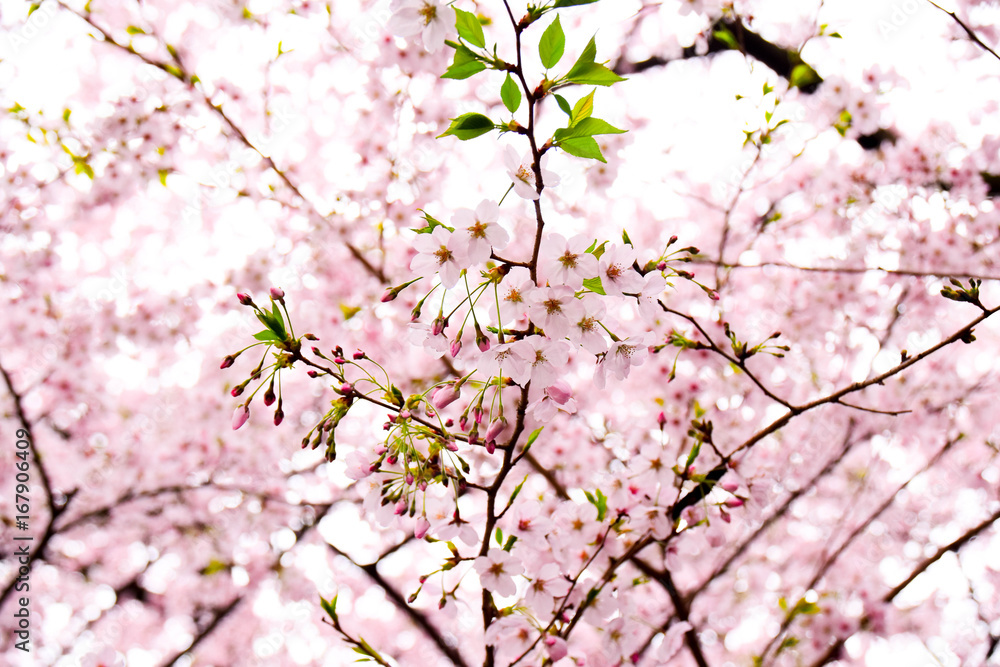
[568,333]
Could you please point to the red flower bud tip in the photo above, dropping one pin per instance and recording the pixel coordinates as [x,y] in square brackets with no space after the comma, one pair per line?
[312,374]
[442,602]
[237,390]
[277,293]
[228,361]
[339,360]
[409,478]
[240,417]
[713,295]
[473,436]
[438,325]
[730,485]
[491,446]
[463,422]
[661,419]
[386,426]
[456,347]
[401,507]
[661,266]
[449,423]
[725,516]
[316,351]
[392,459]
[269,395]
[358,355]
[389,295]
[309,337]
[451,444]
[483,343]
[734,502]
[404,414]
[279,417]
[245,299]
[477,415]
[346,388]
[673,240]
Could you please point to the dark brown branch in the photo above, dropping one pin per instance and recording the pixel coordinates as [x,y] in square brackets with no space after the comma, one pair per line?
[968,31]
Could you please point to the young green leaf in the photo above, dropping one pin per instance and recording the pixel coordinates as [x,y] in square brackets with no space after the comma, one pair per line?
[469,28]
[583,108]
[587,127]
[465,64]
[563,104]
[552,44]
[266,336]
[585,147]
[592,74]
[468,126]
[510,93]
[594,285]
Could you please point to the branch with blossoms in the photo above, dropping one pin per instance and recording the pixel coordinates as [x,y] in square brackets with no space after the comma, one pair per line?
[527,316]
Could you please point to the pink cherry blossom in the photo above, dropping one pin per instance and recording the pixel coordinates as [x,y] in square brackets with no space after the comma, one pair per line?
[522,175]
[440,252]
[427,18]
[566,262]
[479,232]
[497,570]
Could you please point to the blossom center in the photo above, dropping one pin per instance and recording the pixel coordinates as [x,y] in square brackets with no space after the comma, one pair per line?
[568,260]
[478,230]
[429,12]
[443,255]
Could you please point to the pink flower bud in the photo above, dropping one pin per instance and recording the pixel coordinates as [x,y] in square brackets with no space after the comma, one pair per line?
[404,414]
[277,293]
[445,395]
[456,347]
[279,416]
[240,417]
[556,646]
[309,336]
[477,415]
[421,527]
[237,390]
[495,429]
[730,485]
[661,419]
[451,445]
[449,423]
[312,374]
[228,361]
[409,478]
[491,446]
[346,388]
[359,355]
[559,391]
[245,299]
[734,502]
[713,295]
[269,394]
[389,295]
[673,240]
[661,266]
[482,342]
[438,325]
[401,507]
[339,360]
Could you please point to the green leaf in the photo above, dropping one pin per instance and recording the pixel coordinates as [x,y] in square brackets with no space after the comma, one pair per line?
[468,126]
[727,38]
[803,75]
[34,6]
[135,30]
[552,44]
[510,543]
[510,93]
[587,57]
[266,335]
[469,28]
[163,173]
[572,3]
[625,239]
[594,285]
[563,104]
[329,607]
[593,74]
[534,436]
[499,536]
[278,320]
[465,64]
[585,147]
[587,127]
[583,108]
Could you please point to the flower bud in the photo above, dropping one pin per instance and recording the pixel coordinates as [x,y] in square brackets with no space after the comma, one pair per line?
[559,391]
[456,347]
[734,502]
[346,388]
[495,429]
[421,527]
[238,389]
[244,299]
[661,420]
[438,325]
[228,361]
[309,336]
[240,417]
[269,394]
[445,395]
[556,646]
[401,507]
[673,240]
[312,374]
[358,355]
[277,293]
[482,342]
[279,416]
[661,266]
[389,295]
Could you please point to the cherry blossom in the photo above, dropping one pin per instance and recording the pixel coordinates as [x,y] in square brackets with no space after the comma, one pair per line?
[427,18]
[479,231]
[497,570]
[566,262]
[440,252]
[621,357]
[522,175]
